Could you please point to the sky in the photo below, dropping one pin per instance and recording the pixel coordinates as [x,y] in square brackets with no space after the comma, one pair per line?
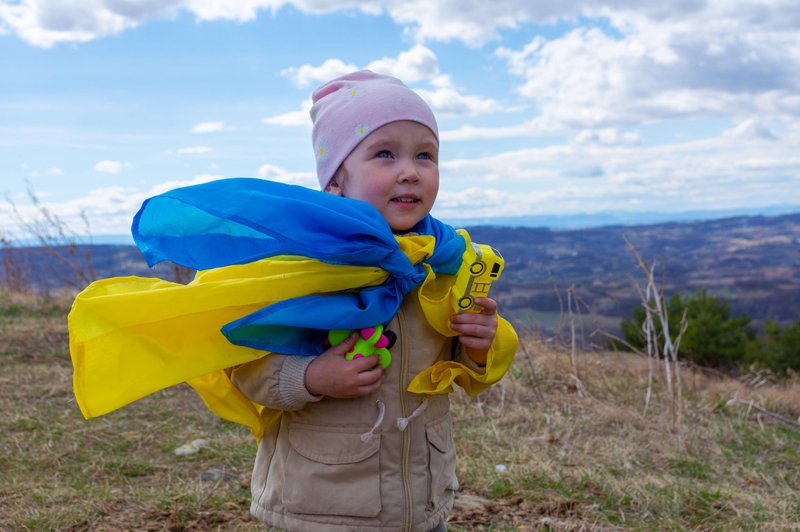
[553,107]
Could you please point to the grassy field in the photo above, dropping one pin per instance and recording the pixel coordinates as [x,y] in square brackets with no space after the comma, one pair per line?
[568,460]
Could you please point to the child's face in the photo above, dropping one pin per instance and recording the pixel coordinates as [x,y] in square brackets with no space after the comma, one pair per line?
[396,170]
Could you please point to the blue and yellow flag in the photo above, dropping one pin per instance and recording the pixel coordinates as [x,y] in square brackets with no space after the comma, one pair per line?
[278,266]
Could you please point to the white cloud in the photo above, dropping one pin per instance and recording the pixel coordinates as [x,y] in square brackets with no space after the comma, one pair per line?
[241,10]
[194,150]
[108,209]
[210,127]
[164,186]
[473,23]
[45,23]
[48,22]
[276,173]
[607,137]
[300,117]
[732,170]
[446,100]
[246,10]
[532,128]
[613,74]
[305,75]
[416,64]
[724,27]
[752,128]
[108,167]
[715,59]
[591,177]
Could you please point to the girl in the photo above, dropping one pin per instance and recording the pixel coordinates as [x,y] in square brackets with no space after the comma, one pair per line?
[354,449]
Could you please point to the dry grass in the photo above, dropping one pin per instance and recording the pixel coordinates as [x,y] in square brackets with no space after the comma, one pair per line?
[117,472]
[573,461]
[599,463]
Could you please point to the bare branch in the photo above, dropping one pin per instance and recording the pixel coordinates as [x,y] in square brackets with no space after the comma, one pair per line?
[751,405]
[57,240]
[659,343]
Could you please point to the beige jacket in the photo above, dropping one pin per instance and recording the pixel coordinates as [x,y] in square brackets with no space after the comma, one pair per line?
[383,462]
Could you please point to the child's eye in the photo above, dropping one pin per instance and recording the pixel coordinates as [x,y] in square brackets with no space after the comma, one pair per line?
[424,155]
[383,154]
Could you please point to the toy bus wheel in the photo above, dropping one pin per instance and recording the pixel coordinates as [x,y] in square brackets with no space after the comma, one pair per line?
[477,268]
[465,302]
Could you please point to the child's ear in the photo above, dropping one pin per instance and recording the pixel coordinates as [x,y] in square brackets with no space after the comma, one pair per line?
[333,187]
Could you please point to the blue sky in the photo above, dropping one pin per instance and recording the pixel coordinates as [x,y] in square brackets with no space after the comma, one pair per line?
[545,108]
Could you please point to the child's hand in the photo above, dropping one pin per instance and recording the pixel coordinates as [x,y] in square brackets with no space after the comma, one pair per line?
[477,331]
[332,375]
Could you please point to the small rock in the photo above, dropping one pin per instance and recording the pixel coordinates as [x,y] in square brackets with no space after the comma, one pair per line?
[501,468]
[200,443]
[191,448]
[219,473]
[186,449]
[213,474]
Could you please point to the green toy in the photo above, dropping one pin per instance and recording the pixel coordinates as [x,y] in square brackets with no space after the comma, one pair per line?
[371,341]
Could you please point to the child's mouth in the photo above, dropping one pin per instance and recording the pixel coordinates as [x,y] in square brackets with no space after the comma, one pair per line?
[409,201]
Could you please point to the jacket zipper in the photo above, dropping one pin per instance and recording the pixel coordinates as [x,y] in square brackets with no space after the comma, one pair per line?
[408,514]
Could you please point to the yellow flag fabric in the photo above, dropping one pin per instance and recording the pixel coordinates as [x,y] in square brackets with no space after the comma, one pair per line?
[132,336]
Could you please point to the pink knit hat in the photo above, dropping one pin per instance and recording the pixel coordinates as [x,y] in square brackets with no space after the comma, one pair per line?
[350,107]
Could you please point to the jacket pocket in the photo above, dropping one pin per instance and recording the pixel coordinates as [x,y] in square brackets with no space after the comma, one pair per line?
[441,461]
[331,471]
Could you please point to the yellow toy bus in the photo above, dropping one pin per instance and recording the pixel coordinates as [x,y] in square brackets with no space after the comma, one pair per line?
[481,266]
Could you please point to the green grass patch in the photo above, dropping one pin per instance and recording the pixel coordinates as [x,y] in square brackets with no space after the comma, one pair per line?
[690,468]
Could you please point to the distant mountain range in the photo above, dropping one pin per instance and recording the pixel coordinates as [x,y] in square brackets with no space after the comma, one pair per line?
[753,262]
[602,219]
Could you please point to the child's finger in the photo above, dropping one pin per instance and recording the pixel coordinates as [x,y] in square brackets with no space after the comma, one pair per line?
[342,348]
[370,376]
[363,364]
[471,317]
[487,313]
[488,305]
[474,329]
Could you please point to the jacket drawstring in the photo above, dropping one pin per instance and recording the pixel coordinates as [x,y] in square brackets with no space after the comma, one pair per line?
[402,422]
[367,436]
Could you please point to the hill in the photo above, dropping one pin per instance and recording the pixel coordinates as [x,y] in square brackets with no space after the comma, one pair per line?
[751,261]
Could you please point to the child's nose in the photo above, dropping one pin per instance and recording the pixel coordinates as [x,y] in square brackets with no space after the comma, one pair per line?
[408,172]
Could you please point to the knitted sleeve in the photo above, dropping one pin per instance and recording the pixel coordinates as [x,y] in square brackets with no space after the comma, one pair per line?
[275,381]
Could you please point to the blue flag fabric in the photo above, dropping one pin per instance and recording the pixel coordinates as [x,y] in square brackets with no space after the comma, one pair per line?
[240,220]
